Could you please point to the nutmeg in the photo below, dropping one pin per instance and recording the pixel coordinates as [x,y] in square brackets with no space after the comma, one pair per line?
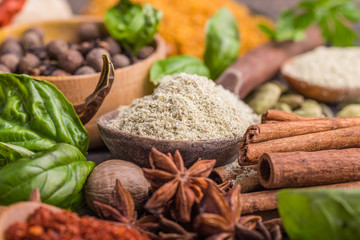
[4,69]
[145,52]
[56,47]
[28,62]
[10,60]
[120,60]
[84,70]
[60,72]
[101,182]
[114,46]
[11,45]
[70,60]
[31,39]
[94,58]
[89,31]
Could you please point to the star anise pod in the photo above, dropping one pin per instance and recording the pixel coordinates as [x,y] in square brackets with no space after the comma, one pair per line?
[220,218]
[122,209]
[175,185]
[171,230]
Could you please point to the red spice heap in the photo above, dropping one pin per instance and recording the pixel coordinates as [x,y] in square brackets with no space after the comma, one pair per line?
[45,224]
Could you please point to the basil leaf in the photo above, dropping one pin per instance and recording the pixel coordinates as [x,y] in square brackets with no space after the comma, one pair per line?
[132,24]
[59,173]
[10,153]
[36,116]
[222,42]
[331,16]
[177,64]
[322,214]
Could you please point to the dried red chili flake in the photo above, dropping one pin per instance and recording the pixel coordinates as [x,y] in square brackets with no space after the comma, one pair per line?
[44,224]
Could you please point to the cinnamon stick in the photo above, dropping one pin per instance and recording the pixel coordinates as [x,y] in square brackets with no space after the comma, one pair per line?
[251,183]
[265,132]
[266,200]
[228,172]
[300,169]
[273,115]
[250,153]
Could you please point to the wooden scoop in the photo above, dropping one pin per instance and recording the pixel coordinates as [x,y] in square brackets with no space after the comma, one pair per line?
[19,212]
[319,93]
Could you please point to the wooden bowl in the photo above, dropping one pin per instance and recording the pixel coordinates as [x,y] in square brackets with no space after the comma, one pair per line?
[19,212]
[130,82]
[136,149]
[319,93]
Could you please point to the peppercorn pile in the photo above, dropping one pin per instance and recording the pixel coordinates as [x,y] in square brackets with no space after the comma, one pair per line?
[45,224]
[30,55]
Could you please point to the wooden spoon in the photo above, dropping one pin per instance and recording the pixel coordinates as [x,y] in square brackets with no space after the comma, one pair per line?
[319,93]
[19,212]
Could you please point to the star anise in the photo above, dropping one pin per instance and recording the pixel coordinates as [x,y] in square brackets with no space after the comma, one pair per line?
[122,209]
[220,218]
[175,185]
[170,230]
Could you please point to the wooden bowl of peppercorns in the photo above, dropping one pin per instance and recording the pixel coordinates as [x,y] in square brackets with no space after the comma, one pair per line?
[68,53]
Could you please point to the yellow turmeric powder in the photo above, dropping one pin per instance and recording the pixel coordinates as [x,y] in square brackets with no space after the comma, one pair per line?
[183,23]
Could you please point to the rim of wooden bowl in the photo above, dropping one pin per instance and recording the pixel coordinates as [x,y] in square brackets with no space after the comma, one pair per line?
[102,123]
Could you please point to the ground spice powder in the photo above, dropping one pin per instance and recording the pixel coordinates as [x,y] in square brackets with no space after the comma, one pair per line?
[186,107]
[44,224]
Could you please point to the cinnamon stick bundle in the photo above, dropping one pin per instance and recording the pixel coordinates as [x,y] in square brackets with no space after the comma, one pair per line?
[250,153]
[266,200]
[300,169]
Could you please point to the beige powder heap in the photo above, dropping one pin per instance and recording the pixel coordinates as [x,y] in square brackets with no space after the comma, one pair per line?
[330,67]
[186,107]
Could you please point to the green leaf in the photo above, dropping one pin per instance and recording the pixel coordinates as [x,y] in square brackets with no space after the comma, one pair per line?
[270,32]
[321,214]
[35,115]
[10,153]
[222,42]
[331,16]
[177,64]
[59,173]
[133,25]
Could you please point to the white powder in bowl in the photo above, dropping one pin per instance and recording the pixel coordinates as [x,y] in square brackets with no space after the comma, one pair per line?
[330,67]
[186,107]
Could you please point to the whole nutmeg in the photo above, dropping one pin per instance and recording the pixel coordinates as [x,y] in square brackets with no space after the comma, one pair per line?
[4,69]
[40,32]
[11,45]
[94,58]
[120,60]
[114,46]
[59,72]
[31,39]
[70,60]
[28,62]
[101,182]
[145,52]
[10,60]
[89,31]
[84,70]
[56,47]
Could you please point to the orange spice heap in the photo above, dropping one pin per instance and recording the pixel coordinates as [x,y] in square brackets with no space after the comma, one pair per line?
[184,22]
[45,224]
